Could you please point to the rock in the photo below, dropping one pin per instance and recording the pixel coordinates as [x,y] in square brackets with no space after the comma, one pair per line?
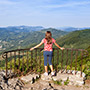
[30,78]
[74,79]
[83,74]
[68,71]
[12,82]
[78,74]
[80,83]
[71,83]
[73,72]
[60,77]
[9,84]
[3,72]
[46,78]
[44,84]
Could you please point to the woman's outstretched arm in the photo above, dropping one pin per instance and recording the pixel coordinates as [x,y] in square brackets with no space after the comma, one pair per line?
[36,46]
[59,46]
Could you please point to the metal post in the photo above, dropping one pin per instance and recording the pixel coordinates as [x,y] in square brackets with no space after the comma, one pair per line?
[76,61]
[6,64]
[66,60]
[71,61]
[57,60]
[81,62]
[62,62]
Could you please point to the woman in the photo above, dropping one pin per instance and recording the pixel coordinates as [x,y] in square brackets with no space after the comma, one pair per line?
[48,42]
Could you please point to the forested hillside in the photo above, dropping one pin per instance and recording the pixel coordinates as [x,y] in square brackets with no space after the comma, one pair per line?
[36,37]
[13,39]
[76,39]
[17,38]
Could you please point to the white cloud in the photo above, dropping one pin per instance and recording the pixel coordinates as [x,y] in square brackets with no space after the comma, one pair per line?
[6,2]
[71,4]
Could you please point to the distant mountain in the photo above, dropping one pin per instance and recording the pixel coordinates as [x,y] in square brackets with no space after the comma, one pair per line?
[13,37]
[70,29]
[55,33]
[22,28]
[36,37]
[25,36]
[76,39]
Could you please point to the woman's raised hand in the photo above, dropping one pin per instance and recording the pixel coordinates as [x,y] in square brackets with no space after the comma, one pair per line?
[62,48]
[31,48]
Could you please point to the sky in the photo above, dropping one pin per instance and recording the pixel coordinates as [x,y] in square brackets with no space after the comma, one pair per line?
[46,13]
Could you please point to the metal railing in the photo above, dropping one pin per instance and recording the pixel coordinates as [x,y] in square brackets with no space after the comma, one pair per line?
[22,61]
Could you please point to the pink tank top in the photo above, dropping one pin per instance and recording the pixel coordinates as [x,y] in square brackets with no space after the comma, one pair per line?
[48,47]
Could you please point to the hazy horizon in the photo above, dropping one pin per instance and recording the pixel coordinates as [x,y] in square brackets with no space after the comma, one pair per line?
[43,26]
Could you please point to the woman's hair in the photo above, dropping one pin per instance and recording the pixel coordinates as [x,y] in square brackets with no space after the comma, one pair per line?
[48,37]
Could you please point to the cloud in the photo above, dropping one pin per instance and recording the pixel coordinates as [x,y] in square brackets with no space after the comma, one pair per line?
[6,2]
[71,4]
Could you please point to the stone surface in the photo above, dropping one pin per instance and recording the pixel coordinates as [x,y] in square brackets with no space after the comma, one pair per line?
[74,79]
[48,85]
[30,78]
[43,83]
[9,84]
[61,77]
[46,78]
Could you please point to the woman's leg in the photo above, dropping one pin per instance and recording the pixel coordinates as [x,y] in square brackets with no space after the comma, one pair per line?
[46,70]
[45,61]
[51,67]
[50,61]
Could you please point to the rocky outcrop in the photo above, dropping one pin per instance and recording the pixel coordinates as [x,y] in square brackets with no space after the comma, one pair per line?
[41,82]
[67,78]
[10,84]
[31,78]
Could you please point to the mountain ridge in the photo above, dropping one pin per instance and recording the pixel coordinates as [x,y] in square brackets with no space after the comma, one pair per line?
[76,39]
[70,29]
[13,40]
